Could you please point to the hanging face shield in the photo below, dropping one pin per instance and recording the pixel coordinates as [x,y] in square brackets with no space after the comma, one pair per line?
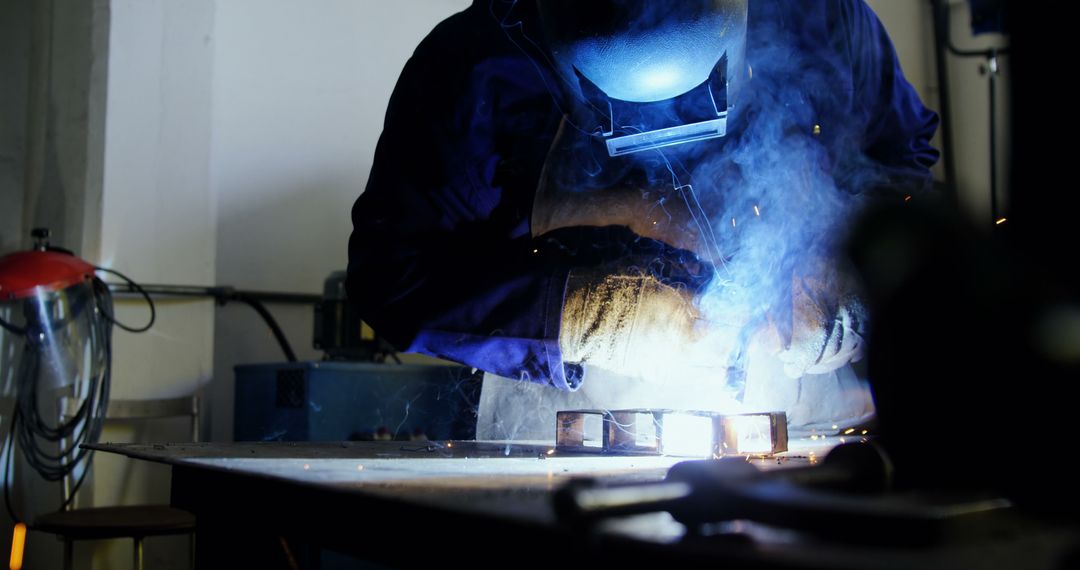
[56,319]
[641,80]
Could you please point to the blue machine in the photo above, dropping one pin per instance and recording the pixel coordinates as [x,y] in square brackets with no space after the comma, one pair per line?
[339,401]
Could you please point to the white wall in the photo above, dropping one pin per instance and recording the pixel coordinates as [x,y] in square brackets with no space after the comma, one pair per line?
[158,226]
[300,90]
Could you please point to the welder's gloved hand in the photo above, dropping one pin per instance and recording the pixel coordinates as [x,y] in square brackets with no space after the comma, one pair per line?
[828,329]
[616,250]
[627,323]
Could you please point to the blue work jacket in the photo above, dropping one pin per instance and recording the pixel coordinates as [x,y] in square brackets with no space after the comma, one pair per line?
[442,260]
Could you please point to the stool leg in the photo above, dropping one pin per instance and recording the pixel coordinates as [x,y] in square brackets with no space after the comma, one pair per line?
[137,555]
[69,555]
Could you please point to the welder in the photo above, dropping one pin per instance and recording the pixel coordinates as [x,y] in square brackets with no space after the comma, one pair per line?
[548,192]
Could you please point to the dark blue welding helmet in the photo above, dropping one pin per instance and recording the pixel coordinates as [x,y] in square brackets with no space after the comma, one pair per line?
[649,74]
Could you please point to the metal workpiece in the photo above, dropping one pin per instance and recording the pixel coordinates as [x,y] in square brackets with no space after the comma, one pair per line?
[690,433]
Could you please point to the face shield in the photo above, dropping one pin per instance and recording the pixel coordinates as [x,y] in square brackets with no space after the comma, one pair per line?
[646,75]
[55,331]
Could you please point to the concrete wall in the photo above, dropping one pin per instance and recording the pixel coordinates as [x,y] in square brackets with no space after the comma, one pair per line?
[15,26]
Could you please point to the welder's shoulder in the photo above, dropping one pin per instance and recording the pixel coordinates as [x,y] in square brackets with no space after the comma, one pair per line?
[457,44]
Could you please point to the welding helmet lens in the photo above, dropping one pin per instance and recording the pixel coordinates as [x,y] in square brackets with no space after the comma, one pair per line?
[648,74]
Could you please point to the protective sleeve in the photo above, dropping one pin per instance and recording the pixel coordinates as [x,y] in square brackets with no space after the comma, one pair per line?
[897,127]
[441,260]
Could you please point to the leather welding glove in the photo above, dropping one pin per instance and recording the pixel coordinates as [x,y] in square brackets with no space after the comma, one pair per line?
[626,323]
[828,327]
[629,300]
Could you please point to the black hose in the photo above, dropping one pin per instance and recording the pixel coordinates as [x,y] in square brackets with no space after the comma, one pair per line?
[270,322]
[223,295]
[134,286]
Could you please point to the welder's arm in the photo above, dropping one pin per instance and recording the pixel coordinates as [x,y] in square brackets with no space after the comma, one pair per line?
[897,126]
[440,259]
[481,302]
[828,318]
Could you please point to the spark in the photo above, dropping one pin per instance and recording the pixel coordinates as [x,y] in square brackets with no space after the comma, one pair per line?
[1000,221]
[907,198]
[842,440]
[359,467]
[551,452]
[732,222]
[865,431]
[757,212]
[306,467]
[834,426]
[449,444]
[849,431]
[817,130]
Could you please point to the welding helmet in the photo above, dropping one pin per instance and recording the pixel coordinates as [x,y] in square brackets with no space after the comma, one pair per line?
[644,74]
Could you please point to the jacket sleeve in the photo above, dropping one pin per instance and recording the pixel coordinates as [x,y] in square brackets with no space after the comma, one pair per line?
[441,260]
[896,126]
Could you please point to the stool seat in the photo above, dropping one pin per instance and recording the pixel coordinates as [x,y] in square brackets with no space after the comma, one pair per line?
[117,522]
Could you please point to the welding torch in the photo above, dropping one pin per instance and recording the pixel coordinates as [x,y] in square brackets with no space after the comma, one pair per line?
[843,497]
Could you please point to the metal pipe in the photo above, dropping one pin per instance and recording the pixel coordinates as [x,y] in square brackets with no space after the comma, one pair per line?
[224,294]
[944,102]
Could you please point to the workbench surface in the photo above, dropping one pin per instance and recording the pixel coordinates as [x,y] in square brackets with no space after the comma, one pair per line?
[403,501]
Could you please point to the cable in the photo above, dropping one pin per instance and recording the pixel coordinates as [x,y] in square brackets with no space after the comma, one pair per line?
[135,286]
[11,328]
[270,322]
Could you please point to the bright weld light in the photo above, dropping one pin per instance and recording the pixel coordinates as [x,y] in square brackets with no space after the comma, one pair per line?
[688,435]
[753,433]
[1000,221]
[18,544]
[449,444]
[658,79]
